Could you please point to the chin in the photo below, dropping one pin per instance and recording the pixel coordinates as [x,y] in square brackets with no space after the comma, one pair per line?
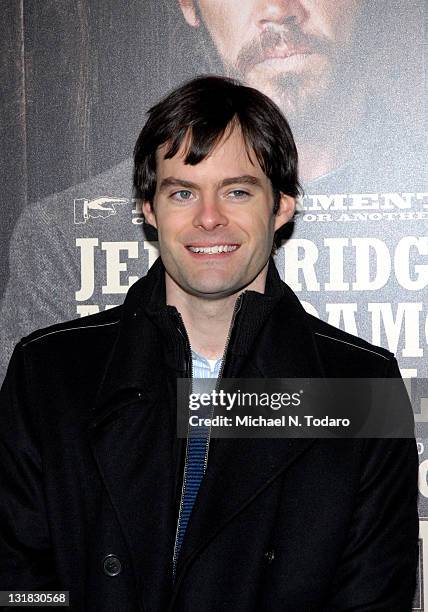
[211,291]
[210,288]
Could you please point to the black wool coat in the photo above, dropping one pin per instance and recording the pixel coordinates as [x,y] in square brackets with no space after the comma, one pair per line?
[90,472]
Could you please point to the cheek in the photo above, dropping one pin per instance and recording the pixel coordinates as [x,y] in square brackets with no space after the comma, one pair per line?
[228,23]
[258,227]
[165,231]
[334,19]
[173,230]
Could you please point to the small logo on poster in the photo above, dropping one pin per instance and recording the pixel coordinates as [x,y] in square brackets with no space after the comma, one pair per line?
[103,207]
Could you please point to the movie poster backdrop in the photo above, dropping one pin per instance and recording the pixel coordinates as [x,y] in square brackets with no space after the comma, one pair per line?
[349,75]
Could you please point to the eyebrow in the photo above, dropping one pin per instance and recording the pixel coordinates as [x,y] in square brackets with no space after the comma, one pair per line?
[172,181]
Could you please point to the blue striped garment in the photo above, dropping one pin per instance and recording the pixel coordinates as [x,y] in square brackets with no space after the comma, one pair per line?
[196,452]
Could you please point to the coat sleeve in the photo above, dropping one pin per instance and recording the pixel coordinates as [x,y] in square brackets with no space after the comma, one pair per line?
[26,560]
[378,567]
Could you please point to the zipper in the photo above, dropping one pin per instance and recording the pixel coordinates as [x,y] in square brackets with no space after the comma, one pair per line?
[182,331]
[189,366]
[236,309]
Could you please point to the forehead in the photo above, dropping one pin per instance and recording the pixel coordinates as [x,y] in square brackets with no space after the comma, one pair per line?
[230,156]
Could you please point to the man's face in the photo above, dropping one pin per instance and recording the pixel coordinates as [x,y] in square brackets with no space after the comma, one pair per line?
[292,50]
[214,219]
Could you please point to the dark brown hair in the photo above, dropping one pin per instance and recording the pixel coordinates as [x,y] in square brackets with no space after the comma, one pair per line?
[205,108]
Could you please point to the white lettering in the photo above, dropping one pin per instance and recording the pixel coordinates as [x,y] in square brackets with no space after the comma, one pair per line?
[115,267]
[152,249]
[402,260]
[364,201]
[406,319]
[336,247]
[305,264]
[364,247]
[347,311]
[87,267]
[423,197]
[423,471]
[396,200]
[326,202]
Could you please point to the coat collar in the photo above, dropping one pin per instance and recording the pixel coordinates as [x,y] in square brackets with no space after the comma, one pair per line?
[148,331]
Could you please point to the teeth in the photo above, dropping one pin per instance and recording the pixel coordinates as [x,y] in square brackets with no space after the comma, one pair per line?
[221,248]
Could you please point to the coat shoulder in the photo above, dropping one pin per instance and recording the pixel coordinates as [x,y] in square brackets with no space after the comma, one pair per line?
[75,329]
[346,354]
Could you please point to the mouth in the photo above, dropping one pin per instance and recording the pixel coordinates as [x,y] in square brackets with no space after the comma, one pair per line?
[285,51]
[214,249]
[283,47]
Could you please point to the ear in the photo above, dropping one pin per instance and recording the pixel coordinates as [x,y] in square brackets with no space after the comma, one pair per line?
[149,215]
[287,206]
[189,11]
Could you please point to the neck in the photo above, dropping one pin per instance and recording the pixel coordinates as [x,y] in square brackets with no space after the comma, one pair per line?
[207,321]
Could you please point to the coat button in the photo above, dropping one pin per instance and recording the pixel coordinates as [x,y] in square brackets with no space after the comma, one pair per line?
[270,556]
[112,565]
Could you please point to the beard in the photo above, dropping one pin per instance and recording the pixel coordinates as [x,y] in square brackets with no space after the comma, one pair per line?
[313,83]
[302,101]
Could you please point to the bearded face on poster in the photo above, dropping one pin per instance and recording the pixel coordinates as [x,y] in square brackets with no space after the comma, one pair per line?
[331,67]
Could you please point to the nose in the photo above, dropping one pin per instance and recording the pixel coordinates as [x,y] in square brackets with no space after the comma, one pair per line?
[280,12]
[210,216]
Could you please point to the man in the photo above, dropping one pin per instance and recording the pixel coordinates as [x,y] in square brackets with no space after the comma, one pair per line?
[77,251]
[102,499]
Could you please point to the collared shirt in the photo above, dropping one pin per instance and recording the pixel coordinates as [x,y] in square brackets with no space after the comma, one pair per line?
[196,453]
[205,368]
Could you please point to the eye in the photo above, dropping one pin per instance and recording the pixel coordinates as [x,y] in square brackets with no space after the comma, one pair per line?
[238,194]
[182,195]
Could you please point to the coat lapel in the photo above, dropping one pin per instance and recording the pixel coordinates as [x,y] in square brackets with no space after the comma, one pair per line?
[238,471]
[135,456]
[280,345]
[133,436]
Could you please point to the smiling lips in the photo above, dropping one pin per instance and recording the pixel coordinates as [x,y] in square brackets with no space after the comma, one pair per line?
[214,249]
